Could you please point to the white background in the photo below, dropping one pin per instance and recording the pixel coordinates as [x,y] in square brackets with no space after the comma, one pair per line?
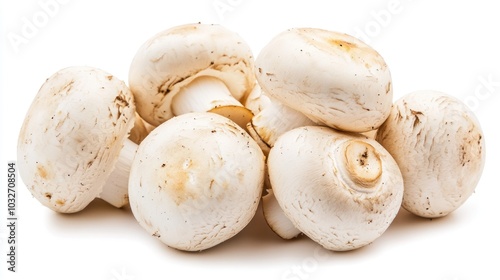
[448,46]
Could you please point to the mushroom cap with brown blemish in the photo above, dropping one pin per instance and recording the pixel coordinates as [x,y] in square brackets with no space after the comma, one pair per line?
[196,181]
[72,135]
[332,78]
[439,146]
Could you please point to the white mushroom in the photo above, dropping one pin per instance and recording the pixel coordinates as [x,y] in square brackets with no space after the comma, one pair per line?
[276,218]
[333,79]
[72,138]
[341,190]
[192,68]
[439,146]
[196,181]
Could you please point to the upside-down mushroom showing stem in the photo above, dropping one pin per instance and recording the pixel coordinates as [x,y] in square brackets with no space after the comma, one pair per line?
[341,190]
[192,68]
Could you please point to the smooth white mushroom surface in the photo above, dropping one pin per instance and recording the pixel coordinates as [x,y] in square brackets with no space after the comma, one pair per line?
[341,190]
[168,63]
[439,146]
[332,78]
[196,181]
[72,136]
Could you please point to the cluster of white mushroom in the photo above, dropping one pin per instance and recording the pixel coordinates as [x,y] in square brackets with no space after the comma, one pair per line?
[203,131]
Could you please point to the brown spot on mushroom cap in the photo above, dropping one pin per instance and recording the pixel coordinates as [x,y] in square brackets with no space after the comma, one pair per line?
[388,88]
[469,143]
[177,176]
[61,202]
[347,46]
[416,115]
[340,43]
[121,100]
[42,172]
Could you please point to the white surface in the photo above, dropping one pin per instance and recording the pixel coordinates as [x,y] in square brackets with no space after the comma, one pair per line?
[452,47]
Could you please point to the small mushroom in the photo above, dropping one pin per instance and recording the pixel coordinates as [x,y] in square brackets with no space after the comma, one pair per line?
[333,79]
[74,135]
[196,181]
[341,190]
[276,218]
[439,146]
[192,68]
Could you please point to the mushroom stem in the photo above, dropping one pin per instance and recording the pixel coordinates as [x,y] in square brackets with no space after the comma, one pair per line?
[361,164]
[274,120]
[115,191]
[208,94]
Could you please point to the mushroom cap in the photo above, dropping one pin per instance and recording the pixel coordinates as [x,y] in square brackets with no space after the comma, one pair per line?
[342,190]
[72,135]
[439,146]
[333,78]
[173,58]
[196,181]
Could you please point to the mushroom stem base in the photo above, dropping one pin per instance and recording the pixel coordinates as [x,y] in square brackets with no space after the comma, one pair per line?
[115,191]
[361,164]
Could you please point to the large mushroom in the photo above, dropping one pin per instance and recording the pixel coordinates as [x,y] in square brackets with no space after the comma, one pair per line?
[439,146]
[320,77]
[341,190]
[196,181]
[192,68]
[73,144]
